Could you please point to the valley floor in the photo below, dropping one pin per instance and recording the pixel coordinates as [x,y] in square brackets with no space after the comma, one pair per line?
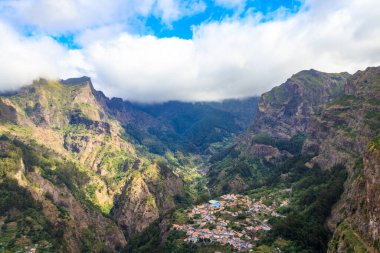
[232,219]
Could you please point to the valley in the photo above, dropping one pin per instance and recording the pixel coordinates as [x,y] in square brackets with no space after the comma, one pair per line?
[231,219]
[296,170]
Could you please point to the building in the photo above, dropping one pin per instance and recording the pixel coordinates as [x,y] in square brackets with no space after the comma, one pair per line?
[215,203]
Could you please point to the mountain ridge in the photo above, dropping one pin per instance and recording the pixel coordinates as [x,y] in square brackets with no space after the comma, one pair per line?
[122,172]
[129,166]
[322,131]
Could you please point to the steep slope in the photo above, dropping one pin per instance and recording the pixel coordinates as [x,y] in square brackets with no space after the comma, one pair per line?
[186,127]
[103,170]
[315,119]
[68,119]
[359,206]
[133,163]
[280,128]
[359,211]
[145,195]
[287,109]
[71,119]
[44,206]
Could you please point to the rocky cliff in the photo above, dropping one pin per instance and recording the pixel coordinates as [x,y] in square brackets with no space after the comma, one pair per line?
[320,119]
[285,115]
[102,170]
[71,119]
[146,196]
[44,206]
[124,164]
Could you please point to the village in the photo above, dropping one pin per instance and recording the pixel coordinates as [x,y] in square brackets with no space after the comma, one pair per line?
[232,219]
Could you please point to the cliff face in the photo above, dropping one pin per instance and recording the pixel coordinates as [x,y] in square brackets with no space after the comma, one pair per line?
[283,123]
[44,196]
[359,209]
[98,178]
[372,196]
[142,201]
[292,108]
[73,120]
[328,119]
[287,109]
[346,125]
[115,146]
[343,133]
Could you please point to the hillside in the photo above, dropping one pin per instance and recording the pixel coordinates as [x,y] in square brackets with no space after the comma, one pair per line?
[314,120]
[82,158]
[201,127]
[100,174]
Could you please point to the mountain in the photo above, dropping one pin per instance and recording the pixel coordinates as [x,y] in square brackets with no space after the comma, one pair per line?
[189,127]
[314,121]
[91,172]
[279,131]
[81,172]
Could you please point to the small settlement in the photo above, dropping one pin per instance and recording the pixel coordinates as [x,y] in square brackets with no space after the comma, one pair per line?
[233,219]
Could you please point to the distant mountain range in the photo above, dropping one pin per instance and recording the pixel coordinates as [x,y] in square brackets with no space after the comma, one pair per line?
[80,172]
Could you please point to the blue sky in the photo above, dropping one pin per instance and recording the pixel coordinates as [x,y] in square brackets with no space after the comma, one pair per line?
[183,26]
[194,50]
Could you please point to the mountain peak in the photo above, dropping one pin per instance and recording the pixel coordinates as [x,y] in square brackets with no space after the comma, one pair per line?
[77,80]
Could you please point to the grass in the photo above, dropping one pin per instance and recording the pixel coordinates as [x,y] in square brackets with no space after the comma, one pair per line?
[373,120]
[347,236]
[374,144]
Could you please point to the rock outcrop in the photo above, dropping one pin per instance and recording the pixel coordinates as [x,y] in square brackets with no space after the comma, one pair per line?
[330,118]
[73,120]
[146,196]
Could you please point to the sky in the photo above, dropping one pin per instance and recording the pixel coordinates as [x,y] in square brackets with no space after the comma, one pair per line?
[195,50]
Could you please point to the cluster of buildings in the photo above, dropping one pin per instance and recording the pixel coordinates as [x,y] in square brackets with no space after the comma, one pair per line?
[32,250]
[233,219]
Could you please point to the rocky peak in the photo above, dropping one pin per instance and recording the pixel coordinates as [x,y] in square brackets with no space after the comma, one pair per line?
[286,109]
[364,83]
[77,80]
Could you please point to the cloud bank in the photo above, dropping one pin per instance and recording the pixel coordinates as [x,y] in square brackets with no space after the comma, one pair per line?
[234,57]
[61,16]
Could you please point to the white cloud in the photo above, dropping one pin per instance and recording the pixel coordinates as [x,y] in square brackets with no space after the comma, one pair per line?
[24,59]
[61,16]
[232,58]
[231,4]
[172,10]
[237,58]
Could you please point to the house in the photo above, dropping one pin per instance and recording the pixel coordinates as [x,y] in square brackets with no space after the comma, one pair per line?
[215,203]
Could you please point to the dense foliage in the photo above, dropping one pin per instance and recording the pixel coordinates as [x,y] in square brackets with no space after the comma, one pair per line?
[313,196]
[23,223]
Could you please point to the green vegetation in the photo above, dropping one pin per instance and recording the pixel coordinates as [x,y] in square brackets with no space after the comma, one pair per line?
[264,138]
[182,135]
[147,241]
[175,244]
[293,146]
[24,224]
[374,144]
[189,127]
[179,217]
[312,192]
[344,101]
[313,196]
[349,239]
[373,120]
[254,171]
[270,194]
